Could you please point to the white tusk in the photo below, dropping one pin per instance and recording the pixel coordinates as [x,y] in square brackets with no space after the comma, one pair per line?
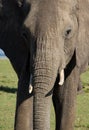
[30,88]
[30,85]
[61,77]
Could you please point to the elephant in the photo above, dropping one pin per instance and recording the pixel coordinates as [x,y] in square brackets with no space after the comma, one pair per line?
[59,53]
[14,37]
[55,54]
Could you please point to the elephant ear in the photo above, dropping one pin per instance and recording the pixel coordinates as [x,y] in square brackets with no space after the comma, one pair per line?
[82,44]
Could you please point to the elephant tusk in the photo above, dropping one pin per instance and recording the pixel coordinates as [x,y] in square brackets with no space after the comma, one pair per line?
[30,85]
[30,88]
[61,77]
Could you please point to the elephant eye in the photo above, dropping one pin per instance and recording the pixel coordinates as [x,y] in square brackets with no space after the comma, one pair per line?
[68,33]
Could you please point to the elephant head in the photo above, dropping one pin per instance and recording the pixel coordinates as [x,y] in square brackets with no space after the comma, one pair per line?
[54,26]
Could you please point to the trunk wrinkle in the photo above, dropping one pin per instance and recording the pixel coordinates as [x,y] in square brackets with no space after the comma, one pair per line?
[42,76]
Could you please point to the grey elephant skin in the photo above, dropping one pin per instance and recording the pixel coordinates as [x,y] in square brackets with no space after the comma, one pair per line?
[60,41]
[58,33]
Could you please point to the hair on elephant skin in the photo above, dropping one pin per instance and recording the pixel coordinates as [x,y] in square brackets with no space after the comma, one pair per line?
[55,49]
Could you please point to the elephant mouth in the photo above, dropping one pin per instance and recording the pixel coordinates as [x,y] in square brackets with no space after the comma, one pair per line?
[61,80]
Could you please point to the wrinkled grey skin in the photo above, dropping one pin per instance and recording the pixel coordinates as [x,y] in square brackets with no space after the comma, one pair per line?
[54,27]
[58,40]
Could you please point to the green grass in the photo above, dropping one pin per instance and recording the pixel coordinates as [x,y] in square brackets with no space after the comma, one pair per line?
[8,87]
[82,112]
[82,117]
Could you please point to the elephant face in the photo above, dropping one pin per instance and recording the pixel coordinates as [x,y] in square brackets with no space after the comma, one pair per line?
[53,25]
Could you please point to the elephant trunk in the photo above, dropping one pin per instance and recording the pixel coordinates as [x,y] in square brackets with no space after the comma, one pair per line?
[45,69]
[42,98]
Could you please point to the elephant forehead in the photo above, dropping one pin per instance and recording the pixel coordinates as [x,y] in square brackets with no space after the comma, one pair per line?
[46,14]
[69,2]
[67,5]
[53,5]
